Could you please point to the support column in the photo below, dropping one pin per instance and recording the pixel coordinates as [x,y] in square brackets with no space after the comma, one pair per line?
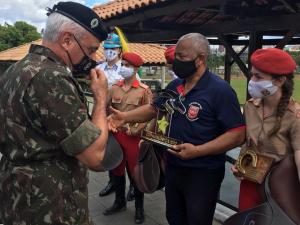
[255,42]
[227,75]
[163,77]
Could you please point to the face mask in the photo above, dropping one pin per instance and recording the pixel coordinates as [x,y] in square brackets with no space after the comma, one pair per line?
[110,55]
[184,69]
[172,74]
[261,89]
[126,72]
[85,65]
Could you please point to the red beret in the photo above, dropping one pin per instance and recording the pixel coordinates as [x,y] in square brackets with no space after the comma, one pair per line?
[132,58]
[273,61]
[169,54]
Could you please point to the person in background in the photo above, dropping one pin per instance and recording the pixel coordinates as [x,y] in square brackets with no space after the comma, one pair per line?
[114,46]
[127,95]
[48,139]
[272,116]
[211,123]
[169,55]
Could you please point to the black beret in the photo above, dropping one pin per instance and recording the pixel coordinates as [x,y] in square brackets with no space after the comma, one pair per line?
[82,15]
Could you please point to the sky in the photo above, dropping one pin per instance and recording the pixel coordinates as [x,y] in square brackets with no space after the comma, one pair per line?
[33,11]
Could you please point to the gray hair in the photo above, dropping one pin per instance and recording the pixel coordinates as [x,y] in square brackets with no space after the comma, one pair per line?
[200,45]
[57,23]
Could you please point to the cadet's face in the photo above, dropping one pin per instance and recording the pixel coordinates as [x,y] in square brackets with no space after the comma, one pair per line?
[126,64]
[257,75]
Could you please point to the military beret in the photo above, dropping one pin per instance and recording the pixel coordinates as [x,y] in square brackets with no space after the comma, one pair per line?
[169,54]
[273,61]
[132,58]
[82,15]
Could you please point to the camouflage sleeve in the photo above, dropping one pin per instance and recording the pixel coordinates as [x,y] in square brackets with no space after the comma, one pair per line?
[55,107]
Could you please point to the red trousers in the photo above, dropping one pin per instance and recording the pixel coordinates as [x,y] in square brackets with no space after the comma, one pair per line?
[130,147]
[249,196]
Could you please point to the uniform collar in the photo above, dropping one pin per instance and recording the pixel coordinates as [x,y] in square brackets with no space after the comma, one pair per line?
[135,83]
[256,102]
[114,67]
[43,50]
[201,83]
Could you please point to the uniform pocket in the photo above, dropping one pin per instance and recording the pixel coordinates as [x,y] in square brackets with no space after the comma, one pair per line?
[278,149]
[133,101]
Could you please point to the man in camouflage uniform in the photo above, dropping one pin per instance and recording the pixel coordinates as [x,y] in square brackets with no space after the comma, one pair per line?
[47,138]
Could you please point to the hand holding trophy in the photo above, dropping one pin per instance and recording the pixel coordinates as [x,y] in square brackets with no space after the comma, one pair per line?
[172,105]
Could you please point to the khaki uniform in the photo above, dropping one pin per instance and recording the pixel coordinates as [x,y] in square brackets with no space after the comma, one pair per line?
[139,94]
[280,145]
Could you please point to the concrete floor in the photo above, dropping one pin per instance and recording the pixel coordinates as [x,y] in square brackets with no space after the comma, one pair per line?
[154,205]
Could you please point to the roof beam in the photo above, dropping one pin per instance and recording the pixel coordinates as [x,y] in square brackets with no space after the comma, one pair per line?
[292,7]
[279,22]
[167,10]
[234,10]
[288,37]
[233,54]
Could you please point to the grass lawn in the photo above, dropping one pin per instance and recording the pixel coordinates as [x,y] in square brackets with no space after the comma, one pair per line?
[239,85]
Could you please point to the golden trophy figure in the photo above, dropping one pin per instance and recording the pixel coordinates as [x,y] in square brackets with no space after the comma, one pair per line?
[172,104]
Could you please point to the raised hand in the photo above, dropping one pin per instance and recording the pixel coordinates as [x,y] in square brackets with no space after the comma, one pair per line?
[98,83]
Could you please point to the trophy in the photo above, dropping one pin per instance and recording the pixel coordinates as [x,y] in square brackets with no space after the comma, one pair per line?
[171,106]
[253,167]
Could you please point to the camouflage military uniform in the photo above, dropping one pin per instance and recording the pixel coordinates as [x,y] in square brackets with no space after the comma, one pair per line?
[43,125]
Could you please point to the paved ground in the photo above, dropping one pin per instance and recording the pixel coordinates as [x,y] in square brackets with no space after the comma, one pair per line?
[154,205]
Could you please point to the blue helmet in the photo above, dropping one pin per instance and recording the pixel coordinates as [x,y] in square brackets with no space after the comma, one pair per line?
[112,41]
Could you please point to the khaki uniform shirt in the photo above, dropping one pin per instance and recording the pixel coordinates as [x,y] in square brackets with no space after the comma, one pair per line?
[280,145]
[139,94]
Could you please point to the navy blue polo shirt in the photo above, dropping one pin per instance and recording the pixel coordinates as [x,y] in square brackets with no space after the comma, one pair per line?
[212,108]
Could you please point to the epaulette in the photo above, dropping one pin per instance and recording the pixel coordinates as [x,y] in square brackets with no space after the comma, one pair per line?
[116,83]
[99,63]
[294,107]
[144,85]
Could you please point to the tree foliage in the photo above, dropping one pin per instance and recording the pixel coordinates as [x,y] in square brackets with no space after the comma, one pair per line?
[17,34]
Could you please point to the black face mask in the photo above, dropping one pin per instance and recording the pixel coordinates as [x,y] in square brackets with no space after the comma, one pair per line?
[184,69]
[85,65]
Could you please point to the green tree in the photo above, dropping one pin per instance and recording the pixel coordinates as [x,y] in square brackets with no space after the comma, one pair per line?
[17,34]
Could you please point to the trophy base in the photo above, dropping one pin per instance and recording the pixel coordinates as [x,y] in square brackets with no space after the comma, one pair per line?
[161,140]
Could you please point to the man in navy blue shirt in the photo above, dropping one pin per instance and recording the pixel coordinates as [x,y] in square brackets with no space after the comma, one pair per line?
[210,124]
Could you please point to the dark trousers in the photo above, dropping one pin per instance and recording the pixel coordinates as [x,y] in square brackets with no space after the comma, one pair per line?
[191,194]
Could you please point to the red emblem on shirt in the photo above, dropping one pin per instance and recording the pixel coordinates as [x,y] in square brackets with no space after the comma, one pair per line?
[117,98]
[193,112]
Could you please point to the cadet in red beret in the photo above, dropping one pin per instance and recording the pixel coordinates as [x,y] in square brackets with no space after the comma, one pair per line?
[169,55]
[272,116]
[126,95]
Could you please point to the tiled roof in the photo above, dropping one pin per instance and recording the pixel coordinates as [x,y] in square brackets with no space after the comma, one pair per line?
[150,53]
[116,7]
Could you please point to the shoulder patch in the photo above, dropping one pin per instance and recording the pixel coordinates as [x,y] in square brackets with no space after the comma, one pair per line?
[143,85]
[298,115]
